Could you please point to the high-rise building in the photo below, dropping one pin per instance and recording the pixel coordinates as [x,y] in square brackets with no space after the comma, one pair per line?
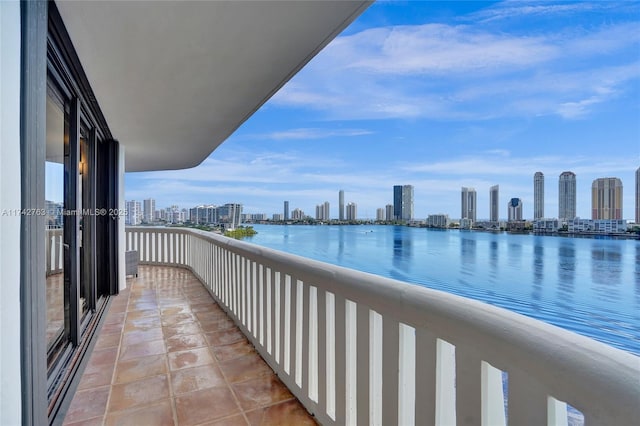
[638,195]
[567,196]
[380,214]
[468,204]
[149,210]
[175,215]
[397,202]
[538,195]
[341,205]
[230,213]
[403,202]
[323,211]
[286,210]
[352,211]
[134,213]
[297,214]
[205,214]
[494,203]
[606,198]
[389,213]
[438,220]
[515,209]
[407,202]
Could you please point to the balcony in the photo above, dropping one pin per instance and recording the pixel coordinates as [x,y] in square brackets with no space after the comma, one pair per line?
[350,346]
[167,353]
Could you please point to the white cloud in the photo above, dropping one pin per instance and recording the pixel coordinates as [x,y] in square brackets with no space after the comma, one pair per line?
[517,9]
[466,72]
[438,49]
[500,163]
[309,133]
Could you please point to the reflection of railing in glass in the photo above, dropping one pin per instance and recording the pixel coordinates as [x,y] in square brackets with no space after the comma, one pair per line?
[54,251]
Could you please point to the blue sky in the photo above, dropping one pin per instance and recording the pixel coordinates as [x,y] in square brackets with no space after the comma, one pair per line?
[438,95]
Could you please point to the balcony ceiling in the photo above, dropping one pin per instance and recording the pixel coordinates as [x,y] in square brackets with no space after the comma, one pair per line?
[175,79]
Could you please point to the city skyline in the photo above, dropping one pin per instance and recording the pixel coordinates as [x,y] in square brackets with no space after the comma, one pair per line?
[441,95]
[606,203]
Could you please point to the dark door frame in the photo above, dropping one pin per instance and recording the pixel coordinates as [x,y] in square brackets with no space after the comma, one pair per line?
[42,32]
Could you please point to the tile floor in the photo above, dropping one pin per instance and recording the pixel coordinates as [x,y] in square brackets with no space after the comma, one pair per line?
[168,355]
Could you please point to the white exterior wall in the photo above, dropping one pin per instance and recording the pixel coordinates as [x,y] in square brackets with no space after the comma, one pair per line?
[122,276]
[10,198]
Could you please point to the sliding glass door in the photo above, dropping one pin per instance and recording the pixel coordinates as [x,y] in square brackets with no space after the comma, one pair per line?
[57,296]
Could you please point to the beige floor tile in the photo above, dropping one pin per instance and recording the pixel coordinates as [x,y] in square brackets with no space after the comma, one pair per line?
[154,347]
[261,392]
[288,413]
[196,378]
[243,368]
[139,368]
[205,405]
[185,342]
[88,404]
[190,358]
[139,393]
[156,414]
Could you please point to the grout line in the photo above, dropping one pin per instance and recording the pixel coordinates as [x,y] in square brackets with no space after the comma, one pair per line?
[155,278]
[172,399]
[115,365]
[224,376]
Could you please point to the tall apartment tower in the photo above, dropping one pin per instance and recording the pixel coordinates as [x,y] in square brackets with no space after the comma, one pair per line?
[638,195]
[606,198]
[468,204]
[352,211]
[494,203]
[388,209]
[397,202]
[134,213]
[341,205]
[538,195]
[380,214]
[323,211]
[567,196]
[149,210]
[403,202]
[515,209]
[286,210]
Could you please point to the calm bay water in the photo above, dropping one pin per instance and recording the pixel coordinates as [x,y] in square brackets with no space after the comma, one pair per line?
[590,286]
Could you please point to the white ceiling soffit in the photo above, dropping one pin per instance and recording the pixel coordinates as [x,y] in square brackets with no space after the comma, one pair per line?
[175,79]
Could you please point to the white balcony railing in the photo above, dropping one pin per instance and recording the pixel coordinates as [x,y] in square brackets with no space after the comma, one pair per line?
[356,348]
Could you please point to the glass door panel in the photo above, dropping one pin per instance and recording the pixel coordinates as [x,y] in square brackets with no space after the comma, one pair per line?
[87,221]
[57,128]
[82,219]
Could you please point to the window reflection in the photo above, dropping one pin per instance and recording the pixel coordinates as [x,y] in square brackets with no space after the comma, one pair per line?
[57,111]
